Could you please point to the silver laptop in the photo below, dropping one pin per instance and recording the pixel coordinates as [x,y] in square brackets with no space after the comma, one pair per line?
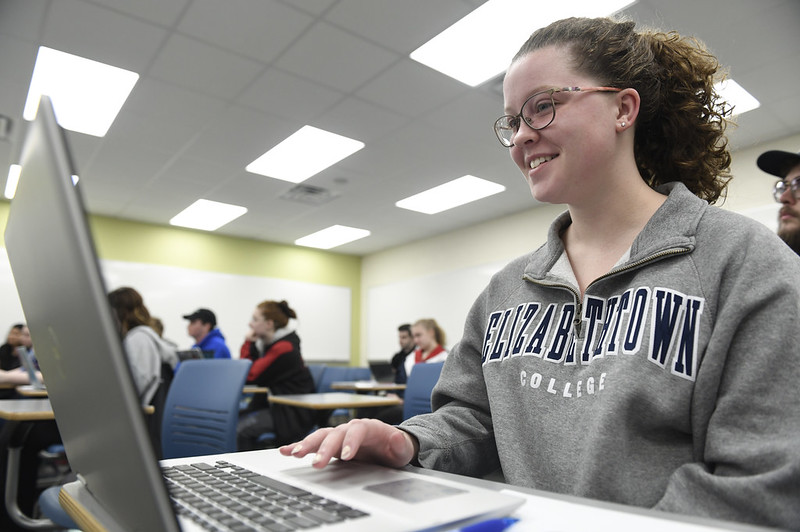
[194,353]
[26,359]
[382,371]
[96,405]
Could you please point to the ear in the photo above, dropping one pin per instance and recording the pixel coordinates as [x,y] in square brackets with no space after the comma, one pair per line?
[628,102]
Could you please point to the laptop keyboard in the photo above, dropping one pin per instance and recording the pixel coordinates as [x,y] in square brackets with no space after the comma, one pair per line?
[223,496]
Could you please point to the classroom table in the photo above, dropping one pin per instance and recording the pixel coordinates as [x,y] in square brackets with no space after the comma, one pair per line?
[28,390]
[250,388]
[333,400]
[19,414]
[367,386]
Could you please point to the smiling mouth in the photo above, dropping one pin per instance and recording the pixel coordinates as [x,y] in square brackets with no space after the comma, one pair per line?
[539,160]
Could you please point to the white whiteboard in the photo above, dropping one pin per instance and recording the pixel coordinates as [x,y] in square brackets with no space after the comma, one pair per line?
[324,311]
[445,297]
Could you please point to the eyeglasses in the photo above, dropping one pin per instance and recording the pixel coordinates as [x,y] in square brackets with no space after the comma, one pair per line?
[781,186]
[538,112]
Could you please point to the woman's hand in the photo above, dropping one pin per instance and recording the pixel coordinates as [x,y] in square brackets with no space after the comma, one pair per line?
[366,440]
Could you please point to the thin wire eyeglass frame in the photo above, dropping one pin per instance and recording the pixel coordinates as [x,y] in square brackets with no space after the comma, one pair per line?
[510,123]
[781,187]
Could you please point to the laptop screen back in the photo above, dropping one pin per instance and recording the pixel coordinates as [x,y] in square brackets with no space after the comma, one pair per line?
[75,335]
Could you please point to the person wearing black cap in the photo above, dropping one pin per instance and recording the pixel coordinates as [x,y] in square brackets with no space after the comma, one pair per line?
[786,166]
[203,328]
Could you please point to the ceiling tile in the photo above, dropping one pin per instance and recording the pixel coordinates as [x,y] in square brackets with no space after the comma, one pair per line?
[194,65]
[335,58]
[260,29]
[297,99]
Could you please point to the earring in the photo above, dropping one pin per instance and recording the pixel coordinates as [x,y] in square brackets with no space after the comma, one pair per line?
[622,124]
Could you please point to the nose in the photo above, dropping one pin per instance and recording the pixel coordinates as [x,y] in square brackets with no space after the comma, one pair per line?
[524,133]
[787,198]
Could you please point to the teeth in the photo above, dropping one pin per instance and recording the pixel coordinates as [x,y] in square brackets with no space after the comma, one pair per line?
[539,160]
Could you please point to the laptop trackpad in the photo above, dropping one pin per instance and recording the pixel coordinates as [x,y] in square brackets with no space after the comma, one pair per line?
[391,483]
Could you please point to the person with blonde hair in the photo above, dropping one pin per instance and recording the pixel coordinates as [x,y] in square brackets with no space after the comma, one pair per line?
[429,339]
[646,354]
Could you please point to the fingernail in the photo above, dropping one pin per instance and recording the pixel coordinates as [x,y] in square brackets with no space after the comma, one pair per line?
[297,449]
[316,459]
[346,452]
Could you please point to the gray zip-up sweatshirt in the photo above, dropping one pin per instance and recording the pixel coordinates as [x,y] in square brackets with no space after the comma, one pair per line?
[672,384]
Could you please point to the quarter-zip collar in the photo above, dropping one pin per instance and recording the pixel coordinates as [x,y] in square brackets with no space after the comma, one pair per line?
[671,229]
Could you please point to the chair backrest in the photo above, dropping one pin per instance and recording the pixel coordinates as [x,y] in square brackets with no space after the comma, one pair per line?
[316,373]
[330,375]
[359,373]
[202,407]
[423,378]
[342,373]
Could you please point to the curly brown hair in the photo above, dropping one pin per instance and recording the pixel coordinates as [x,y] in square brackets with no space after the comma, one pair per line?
[680,130]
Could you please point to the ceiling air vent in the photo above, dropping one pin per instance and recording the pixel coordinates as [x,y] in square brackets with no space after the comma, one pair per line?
[309,195]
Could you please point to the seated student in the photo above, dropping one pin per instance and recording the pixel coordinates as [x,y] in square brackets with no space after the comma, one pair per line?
[18,335]
[40,435]
[407,346]
[429,339]
[646,354]
[147,353]
[274,348]
[207,336]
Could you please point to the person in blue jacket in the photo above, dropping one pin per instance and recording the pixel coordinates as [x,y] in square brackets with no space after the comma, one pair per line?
[203,328]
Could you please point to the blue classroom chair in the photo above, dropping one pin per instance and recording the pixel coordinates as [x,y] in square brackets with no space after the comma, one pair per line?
[420,384]
[200,417]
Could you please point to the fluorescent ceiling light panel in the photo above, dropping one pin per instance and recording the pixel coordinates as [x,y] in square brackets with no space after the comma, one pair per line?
[480,45]
[735,95]
[207,215]
[335,235]
[457,192]
[87,95]
[306,152]
[12,181]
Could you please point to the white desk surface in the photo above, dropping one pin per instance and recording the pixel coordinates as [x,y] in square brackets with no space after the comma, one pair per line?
[542,511]
[333,400]
[367,386]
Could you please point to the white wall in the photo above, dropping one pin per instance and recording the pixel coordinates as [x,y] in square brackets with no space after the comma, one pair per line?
[170,292]
[440,277]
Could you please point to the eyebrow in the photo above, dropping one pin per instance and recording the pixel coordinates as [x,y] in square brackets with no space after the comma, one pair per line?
[540,88]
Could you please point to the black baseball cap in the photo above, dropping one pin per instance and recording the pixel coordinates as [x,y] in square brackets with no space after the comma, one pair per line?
[204,315]
[778,163]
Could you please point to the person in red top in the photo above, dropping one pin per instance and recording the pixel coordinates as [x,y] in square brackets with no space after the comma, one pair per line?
[429,338]
[274,348]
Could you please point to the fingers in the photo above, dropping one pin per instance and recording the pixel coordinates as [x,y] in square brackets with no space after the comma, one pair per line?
[368,440]
[309,444]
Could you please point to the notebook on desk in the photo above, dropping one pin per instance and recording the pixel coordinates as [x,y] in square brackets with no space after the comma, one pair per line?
[59,282]
[26,359]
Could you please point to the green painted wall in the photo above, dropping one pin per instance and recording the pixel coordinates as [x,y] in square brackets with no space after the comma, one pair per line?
[122,240]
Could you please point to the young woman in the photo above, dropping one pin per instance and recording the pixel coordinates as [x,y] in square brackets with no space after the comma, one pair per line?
[148,354]
[647,353]
[274,348]
[429,339]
